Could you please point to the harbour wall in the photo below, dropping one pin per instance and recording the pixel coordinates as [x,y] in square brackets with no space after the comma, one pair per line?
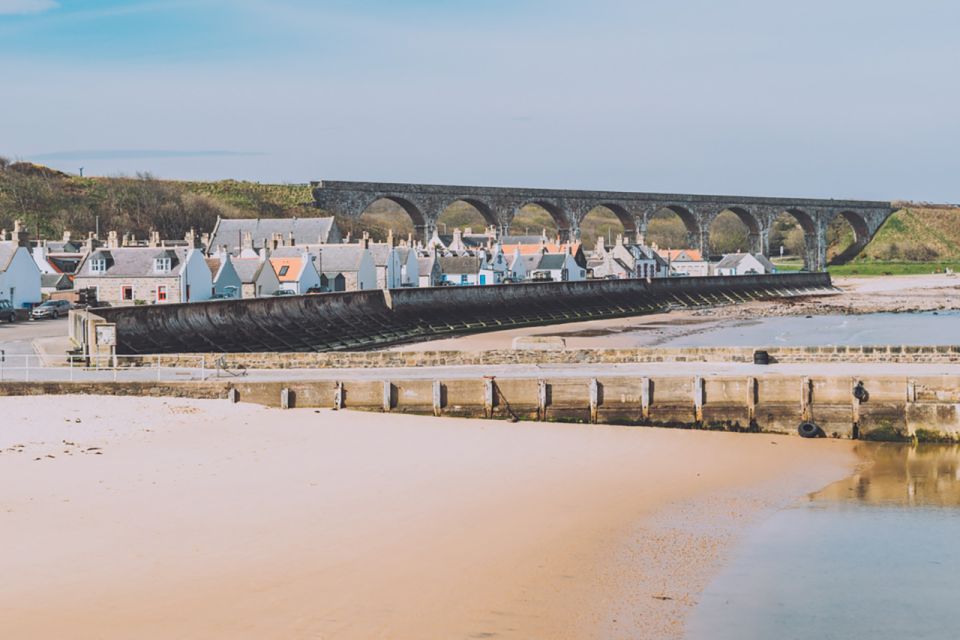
[362,320]
[895,408]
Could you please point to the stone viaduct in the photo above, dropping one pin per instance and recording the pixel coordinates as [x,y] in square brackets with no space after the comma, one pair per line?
[498,206]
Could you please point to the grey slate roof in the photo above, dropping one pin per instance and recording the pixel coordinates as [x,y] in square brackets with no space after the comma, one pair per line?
[380,253]
[732,260]
[762,259]
[459,264]
[552,261]
[135,262]
[229,231]
[7,249]
[58,281]
[524,240]
[338,258]
[248,269]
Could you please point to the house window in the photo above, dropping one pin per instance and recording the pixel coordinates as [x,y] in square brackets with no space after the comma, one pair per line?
[283,270]
[161,265]
[126,292]
[98,265]
[463,278]
[162,293]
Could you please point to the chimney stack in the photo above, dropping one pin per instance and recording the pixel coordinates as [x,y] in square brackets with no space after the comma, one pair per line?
[113,240]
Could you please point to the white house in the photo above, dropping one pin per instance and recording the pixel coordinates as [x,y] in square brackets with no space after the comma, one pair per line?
[642,260]
[387,261]
[685,262]
[461,270]
[257,277]
[495,267]
[226,280]
[19,276]
[295,269]
[742,264]
[559,267]
[125,275]
[428,270]
[344,267]
[409,267]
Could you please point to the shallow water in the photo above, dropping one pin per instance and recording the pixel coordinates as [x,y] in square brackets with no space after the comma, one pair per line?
[919,329]
[874,556]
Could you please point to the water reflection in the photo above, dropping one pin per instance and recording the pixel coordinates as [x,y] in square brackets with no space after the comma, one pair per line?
[902,475]
[872,556]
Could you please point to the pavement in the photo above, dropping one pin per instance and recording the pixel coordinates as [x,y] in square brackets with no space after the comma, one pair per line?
[33,371]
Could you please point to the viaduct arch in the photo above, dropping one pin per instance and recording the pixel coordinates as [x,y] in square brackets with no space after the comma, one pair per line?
[499,205]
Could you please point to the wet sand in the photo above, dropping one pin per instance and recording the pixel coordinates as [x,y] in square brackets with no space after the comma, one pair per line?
[153,518]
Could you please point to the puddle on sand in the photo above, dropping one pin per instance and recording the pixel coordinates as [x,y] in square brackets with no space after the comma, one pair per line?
[873,556]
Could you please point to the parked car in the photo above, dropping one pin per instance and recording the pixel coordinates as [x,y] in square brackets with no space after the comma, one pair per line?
[51,309]
[7,312]
[284,292]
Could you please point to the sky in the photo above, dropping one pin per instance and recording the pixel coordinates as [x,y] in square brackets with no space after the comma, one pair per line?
[822,98]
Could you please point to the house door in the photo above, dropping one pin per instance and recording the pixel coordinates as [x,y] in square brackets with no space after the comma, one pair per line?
[162,293]
[483,279]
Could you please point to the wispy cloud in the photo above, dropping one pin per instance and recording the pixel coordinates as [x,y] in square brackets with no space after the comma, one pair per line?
[23,7]
[140,154]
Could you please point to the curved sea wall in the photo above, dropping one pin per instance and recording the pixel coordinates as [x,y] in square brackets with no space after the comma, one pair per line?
[362,320]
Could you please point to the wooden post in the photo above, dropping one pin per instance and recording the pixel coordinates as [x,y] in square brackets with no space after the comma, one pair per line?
[541,399]
[806,390]
[437,397]
[387,396]
[594,400]
[856,404]
[233,395]
[911,390]
[698,399]
[488,397]
[751,400]
[338,397]
[645,398]
[285,398]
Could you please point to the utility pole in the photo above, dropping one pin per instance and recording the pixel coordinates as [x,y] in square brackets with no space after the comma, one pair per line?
[81,172]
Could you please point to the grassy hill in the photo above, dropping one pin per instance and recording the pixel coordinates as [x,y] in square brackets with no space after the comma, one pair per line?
[52,202]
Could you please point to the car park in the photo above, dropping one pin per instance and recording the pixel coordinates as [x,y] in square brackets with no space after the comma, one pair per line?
[7,312]
[51,309]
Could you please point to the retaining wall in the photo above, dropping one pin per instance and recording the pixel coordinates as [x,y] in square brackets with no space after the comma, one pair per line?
[897,408]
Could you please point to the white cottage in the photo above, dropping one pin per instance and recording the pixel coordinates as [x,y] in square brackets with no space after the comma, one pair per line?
[126,275]
[743,264]
[19,276]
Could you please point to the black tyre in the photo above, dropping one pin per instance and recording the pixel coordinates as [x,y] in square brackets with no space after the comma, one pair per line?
[761,357]
[55,315]
[809,430]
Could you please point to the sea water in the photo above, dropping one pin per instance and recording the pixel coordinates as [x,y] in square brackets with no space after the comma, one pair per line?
[876,556]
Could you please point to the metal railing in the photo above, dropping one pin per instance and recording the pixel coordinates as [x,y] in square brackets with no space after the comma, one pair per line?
[106,368]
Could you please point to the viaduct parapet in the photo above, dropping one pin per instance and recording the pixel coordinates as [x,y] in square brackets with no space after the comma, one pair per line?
[499,205]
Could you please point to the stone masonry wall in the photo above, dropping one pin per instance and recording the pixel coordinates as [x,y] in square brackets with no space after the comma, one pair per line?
[388,359]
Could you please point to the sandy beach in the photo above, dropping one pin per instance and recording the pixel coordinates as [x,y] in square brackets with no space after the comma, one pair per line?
[160,518]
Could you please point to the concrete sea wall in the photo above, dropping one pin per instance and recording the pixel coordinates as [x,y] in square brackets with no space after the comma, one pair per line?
[894,408]
[362,320]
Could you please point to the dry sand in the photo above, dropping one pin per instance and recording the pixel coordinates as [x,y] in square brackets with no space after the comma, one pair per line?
[152,518]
